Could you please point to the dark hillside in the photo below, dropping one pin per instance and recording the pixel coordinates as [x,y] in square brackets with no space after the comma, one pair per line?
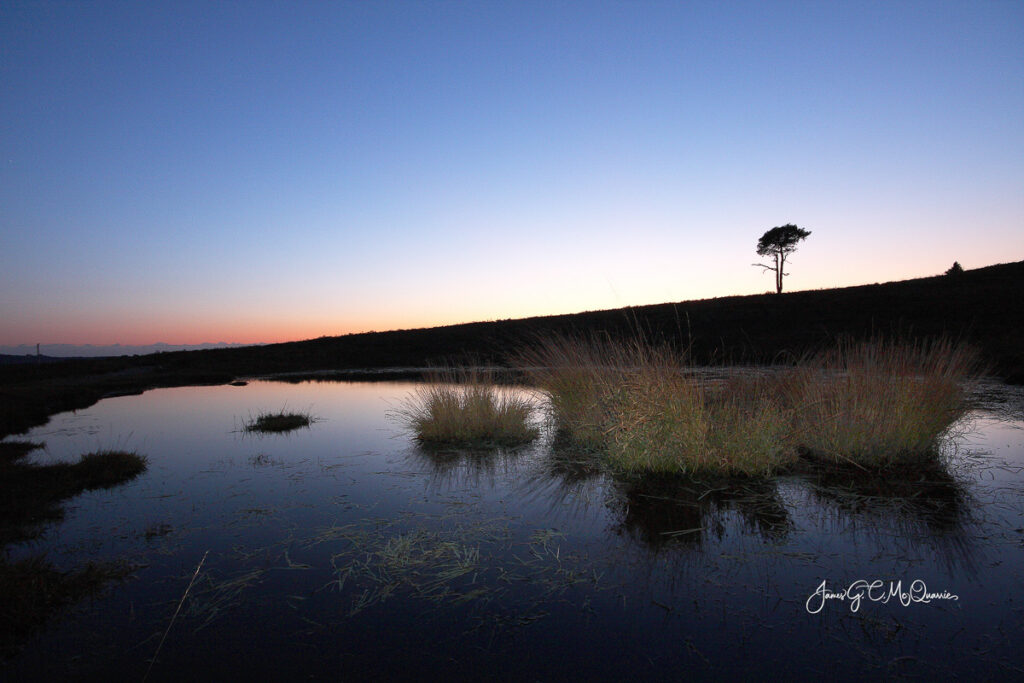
[984,307]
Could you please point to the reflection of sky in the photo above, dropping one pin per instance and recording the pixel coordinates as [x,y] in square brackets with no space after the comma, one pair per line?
[257,172]
[734,580]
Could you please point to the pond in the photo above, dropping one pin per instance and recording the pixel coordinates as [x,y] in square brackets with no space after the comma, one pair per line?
[345,550]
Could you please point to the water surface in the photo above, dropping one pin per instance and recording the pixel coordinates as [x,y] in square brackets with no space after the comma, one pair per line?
[345,550]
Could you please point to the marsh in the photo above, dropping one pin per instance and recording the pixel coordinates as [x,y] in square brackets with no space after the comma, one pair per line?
[348,549]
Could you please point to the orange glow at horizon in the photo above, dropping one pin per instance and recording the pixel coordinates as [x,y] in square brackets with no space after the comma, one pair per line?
[448,307]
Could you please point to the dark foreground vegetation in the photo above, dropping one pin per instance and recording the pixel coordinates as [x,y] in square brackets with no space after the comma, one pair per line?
[33,589]
[984,307]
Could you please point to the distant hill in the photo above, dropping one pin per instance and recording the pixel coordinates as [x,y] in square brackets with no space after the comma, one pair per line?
[6,359]
[984,307]
[105,350]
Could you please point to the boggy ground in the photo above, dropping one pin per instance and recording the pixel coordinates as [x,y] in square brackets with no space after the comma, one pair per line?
[34,589]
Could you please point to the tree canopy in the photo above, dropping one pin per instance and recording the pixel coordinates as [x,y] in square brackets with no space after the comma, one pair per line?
[778,243]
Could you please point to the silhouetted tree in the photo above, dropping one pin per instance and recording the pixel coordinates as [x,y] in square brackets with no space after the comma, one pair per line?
[778,243]
[955,269]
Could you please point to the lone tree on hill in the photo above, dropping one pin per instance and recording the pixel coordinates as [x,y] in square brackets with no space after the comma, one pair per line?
[779,243]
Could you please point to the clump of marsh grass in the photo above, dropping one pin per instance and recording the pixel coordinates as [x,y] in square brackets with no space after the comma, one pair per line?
[681,425]
[108,468]
[875,404]
[467,408]
[279,422]
[585,378]
[879,403]
[636,403]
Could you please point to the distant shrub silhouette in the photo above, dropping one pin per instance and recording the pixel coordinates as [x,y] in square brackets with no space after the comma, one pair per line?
[955,269]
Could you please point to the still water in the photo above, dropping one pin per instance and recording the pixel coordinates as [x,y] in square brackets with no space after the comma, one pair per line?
[345,551]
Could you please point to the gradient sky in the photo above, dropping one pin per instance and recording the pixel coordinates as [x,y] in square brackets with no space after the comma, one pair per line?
[259,172]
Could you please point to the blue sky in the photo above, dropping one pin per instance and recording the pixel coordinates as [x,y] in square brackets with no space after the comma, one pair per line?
[246,172]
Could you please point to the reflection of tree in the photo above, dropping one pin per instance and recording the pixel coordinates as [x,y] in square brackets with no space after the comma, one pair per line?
[660,511]
[923,505]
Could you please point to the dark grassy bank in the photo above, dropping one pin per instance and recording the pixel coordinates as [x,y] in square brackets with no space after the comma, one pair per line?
[984,307]
[33,589]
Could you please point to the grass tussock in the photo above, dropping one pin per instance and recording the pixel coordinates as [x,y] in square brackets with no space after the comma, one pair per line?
[279,422]
[586,378]
[636,403]
[875,404]
[879,404]
[681,425]
[467,408]
[105,469]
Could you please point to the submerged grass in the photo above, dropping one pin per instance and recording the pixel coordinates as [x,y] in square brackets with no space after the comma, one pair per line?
[874,404]
[467,408]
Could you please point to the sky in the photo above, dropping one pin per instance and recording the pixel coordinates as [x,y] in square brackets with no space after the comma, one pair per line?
[245,172]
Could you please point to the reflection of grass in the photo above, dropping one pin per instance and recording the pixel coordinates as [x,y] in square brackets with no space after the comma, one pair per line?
[278,422]
[660,510]
[466,408]
[11,451]
[34,591]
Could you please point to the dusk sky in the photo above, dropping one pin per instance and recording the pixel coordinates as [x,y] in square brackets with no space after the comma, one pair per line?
[194,172]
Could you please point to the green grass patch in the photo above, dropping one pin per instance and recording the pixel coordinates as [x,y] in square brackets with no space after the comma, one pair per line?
[467,408]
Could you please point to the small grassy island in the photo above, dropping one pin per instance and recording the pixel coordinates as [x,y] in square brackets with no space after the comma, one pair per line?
[466,408]
[279,422]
